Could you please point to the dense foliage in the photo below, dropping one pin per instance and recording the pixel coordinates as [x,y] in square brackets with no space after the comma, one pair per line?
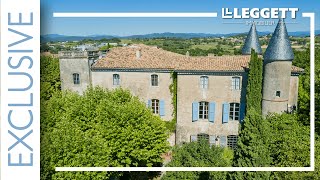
[252,147]
[49,76]
[199,154]
[302,59]
[254,87]
[100,128]
[289,143]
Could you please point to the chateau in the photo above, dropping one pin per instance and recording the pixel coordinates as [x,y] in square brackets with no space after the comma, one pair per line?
[211,91]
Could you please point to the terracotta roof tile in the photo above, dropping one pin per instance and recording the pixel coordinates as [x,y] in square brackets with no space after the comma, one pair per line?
[156,58]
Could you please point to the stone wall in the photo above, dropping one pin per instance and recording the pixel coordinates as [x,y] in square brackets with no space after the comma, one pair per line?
[293,94]
[219,91]
[277,76]
[74,62]
[139,84]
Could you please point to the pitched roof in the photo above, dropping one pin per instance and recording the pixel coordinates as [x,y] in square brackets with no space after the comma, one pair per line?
[252,42]
[279,48]
[156,58]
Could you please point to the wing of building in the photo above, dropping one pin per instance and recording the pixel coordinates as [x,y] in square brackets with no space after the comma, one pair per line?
[211,90]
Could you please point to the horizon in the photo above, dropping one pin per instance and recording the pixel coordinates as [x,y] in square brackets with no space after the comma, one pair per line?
[237,33]
[139,26]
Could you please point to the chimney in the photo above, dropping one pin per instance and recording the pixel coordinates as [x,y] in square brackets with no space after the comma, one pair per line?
[138,54]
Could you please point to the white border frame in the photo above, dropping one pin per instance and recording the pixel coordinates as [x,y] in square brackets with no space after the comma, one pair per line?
[312,113]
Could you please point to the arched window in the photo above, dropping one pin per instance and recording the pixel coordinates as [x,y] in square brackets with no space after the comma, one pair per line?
[234,112]
[203,110]
[155,106]
[116,79]
[204,81]
[235,83]
[154,80]
[76,78]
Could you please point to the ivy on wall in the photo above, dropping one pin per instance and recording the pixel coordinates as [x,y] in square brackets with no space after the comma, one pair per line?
[171,125]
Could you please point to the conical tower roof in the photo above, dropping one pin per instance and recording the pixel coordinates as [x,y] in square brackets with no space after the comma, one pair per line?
[252,41]
[279,48]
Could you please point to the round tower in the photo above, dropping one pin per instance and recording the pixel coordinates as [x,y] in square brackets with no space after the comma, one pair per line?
[277,71]
[252,42]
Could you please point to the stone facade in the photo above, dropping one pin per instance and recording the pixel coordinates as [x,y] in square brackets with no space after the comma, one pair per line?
[74,63]
[211,91]
[139,84]
[276,80]
[219,91]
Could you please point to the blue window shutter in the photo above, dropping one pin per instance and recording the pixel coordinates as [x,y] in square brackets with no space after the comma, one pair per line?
[242,111]
[212,108]
[212,140]
[223,141]
[149,103]
[195,111]
[225,112]
[162,113]
[193,138]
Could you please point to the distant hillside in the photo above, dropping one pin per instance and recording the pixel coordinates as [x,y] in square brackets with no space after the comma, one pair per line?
[57,37]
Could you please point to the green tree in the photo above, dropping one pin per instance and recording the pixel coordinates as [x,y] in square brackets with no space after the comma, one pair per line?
[199,154]
[252,147]
[100,128]
[49,76]
[254,87]
[289,143]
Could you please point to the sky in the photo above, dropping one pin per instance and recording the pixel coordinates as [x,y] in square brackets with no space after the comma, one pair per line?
[137,26]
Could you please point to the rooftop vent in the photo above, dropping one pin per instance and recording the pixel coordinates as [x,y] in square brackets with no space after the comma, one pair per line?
[138,54]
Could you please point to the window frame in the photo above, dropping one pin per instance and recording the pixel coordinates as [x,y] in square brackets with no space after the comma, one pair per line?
[232,141]
[203,136]
[76,78]
[236,83]
[154,80]
[203,110]
[204,82]
[116,79]
[234,114]
[155,106]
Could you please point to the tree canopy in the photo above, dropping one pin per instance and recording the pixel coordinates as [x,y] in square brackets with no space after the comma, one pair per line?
[199,154]
[100,128]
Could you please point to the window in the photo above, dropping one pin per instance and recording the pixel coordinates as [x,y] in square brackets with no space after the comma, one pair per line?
[235,83]
[155,106]
[232,141]
[203,110]
[154,80]
[203,136]
[116,79]
[204,82]
[76,78]
[234,111]
[278,93]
